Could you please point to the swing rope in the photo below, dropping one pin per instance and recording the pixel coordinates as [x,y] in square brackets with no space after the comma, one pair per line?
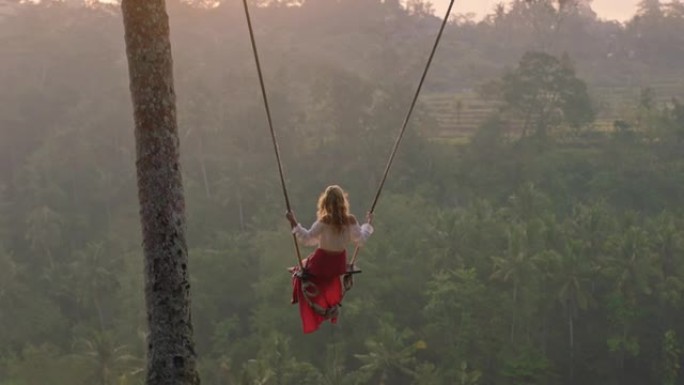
[397,142]
[405,124]
[270,126]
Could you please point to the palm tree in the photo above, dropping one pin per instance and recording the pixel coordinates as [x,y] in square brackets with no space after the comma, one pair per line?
[93,275]
[573,276]
[44,232]
[632,264]
[467,376]
[275,365]
[517,265]
[631,268]
[334,369]
[256,372]
[171,352]
[573,273]
[668,245]
[108,361]
[388,355]
[8,273]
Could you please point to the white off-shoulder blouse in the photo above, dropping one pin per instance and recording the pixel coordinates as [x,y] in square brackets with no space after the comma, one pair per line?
[326,237]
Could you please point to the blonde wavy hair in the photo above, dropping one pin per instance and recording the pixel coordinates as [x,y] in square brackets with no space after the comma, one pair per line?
[333,208]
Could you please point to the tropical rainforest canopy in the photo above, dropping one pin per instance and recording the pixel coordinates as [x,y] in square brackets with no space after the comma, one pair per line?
[531,230]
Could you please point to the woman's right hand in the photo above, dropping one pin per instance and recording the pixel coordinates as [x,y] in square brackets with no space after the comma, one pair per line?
[369,217]
[291,218]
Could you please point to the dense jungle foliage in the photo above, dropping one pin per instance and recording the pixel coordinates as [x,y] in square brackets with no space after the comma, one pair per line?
[543,250]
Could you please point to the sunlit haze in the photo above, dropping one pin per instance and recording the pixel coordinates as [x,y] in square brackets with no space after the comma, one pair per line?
[606,9]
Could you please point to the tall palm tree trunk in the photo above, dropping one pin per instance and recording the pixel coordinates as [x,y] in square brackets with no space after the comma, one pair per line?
[514,316]
[171,354]
[571,330]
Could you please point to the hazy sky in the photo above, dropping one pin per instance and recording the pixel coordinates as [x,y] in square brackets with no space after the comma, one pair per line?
[606,9]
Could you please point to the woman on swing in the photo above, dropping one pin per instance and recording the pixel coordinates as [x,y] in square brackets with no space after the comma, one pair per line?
[333,230]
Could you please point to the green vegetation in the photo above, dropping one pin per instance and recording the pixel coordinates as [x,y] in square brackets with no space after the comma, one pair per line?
[498,258]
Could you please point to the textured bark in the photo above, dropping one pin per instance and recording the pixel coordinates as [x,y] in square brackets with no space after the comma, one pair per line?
[171,356]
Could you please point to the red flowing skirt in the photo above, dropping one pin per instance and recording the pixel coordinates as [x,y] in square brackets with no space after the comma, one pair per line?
[324,268]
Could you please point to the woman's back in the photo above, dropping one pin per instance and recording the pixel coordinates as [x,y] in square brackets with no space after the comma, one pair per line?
[333,237]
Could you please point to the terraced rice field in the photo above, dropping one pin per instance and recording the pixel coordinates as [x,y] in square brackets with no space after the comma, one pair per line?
[459,114]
